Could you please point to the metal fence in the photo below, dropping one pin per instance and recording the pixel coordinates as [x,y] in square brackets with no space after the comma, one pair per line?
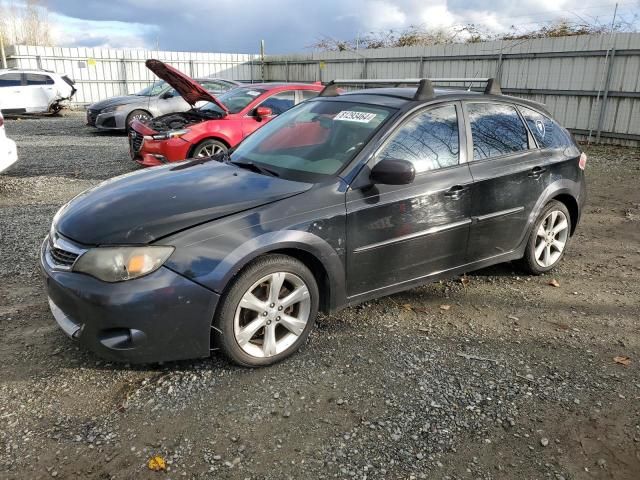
[589,83]
[101,73]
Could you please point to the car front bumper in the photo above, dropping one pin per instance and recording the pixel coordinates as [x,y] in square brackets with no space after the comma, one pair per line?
[162,316]
[111,120]
[158,152]
[8,153]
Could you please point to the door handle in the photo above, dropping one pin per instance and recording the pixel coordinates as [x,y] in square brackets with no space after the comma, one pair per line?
[455,192]
[536,172]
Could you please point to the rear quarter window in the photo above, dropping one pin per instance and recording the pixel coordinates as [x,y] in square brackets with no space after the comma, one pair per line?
[37,79]
[547,132]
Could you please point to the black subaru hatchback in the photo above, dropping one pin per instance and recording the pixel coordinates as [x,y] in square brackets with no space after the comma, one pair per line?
[346,197]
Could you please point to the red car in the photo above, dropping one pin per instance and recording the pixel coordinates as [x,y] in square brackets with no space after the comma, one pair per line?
[215,127]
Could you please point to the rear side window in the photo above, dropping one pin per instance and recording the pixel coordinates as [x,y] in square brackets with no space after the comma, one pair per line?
[307,94]
[280,102]
[37,79]
[216,86]
[547,132]
[496,130]
[10,80]
[430,140]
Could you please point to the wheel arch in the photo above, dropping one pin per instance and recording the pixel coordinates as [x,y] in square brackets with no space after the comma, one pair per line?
[314,252]
[318,270]
[571,203]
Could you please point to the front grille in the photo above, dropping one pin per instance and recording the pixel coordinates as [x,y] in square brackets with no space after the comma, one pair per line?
[62,258]
[135,141]
[91,117]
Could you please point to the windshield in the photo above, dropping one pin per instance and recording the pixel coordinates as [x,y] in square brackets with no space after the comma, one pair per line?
[153,89]
[312,141]
[235,100]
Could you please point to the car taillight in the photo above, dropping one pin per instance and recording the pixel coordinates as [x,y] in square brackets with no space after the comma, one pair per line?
[1,121]
[583,161]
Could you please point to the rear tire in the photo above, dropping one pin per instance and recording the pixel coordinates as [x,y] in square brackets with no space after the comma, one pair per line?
[208,148]
[258,324]
[548,239]
[140,115]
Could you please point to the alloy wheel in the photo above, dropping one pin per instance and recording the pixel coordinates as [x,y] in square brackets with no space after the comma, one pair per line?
[208,150]
[141,117]
[551,238]
[272,314]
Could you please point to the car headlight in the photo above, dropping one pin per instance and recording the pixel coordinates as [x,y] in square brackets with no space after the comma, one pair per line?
[116,264]
[170,134]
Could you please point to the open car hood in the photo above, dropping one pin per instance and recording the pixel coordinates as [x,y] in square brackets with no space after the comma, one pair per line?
[189,89]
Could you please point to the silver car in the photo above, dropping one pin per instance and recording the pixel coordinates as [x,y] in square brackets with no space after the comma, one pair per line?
[158,99]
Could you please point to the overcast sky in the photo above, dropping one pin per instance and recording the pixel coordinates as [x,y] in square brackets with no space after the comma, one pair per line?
[292,25]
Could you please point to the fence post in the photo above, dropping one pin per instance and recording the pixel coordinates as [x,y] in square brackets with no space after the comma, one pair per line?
[191,68]
[605,95]
[320,71]
[125,89]
[499,68]
[2,54]
[286,66]
[363,74]
[39,62]
[421,67]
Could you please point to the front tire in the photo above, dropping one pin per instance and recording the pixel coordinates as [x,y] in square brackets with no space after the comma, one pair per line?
[140,115]
[208,148]
[268,312]
[548,239]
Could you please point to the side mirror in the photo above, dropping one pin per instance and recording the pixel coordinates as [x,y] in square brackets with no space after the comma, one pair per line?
[393,171]
[263,112]
[167,95]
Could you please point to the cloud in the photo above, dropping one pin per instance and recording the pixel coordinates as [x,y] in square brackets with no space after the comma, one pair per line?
[291,25]
[74,32]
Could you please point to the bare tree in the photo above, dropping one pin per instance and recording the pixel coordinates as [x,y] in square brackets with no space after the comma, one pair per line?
[25,24]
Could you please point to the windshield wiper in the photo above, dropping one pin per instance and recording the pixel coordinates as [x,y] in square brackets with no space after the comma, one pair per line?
[256,168]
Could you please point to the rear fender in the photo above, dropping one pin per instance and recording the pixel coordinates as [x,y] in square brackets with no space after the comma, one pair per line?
[559,187]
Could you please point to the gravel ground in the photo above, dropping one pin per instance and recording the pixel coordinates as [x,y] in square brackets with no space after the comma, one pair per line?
[495,375]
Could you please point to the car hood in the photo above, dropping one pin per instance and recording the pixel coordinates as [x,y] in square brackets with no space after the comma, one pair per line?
[143,206]
[188,88]
[110,102]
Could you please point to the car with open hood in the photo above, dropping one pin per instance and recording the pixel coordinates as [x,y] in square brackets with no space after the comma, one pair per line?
[34,91]
[341,199]
[158,99]
[222,123]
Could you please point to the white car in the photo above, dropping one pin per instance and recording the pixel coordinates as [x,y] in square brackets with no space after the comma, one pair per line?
[8,152]
[33,91]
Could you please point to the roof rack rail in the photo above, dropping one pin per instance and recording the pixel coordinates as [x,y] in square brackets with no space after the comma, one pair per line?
[425,85]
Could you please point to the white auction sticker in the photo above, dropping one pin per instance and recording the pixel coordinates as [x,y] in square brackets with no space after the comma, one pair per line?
[349,116]
[253,93]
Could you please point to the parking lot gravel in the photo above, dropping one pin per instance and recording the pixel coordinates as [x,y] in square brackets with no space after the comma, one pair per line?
[493,375]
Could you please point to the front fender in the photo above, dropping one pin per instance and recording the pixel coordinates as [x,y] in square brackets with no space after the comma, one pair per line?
[217,271]
[281,240]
